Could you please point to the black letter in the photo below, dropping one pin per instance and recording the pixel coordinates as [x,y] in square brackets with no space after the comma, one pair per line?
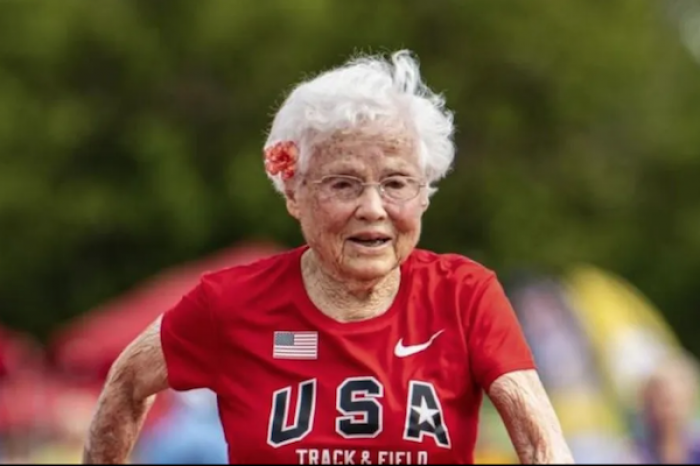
[362,413]
[424,415]
[278,433]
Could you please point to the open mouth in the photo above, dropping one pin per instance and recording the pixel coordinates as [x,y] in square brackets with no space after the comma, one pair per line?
[371,242]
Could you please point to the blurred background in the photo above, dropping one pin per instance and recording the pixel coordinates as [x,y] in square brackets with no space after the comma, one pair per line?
[130,162]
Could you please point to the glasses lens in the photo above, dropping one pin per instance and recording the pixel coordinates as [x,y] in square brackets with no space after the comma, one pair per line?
[341,187]
[401,188]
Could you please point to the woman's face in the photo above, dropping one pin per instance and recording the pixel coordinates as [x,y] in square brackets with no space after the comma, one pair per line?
[356,232]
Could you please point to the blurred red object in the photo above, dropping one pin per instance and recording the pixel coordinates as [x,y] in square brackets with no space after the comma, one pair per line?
[37,402]
[21,373]
[24,402]
[18,351]
[88,346]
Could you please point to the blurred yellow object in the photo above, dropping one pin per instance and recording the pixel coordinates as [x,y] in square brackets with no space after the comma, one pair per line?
[586,413]
[57,453]
[628,333]
[494,456]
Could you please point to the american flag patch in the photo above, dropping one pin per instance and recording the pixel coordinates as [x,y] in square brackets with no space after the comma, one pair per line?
[295,345]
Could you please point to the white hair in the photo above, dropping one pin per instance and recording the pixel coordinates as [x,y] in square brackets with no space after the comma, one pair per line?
[366,89]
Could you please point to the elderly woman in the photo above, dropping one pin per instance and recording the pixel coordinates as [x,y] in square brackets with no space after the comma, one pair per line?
[357,347]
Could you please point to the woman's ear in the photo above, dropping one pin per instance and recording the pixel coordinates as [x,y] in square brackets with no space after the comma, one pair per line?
[425,202]
[291,199]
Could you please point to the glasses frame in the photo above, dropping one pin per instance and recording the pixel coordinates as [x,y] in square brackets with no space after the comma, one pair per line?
[380,185]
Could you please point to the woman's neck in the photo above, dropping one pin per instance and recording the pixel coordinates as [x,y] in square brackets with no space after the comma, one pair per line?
[347,300]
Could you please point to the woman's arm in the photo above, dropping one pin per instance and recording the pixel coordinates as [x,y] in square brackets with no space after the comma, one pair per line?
[530,419]
[136,376]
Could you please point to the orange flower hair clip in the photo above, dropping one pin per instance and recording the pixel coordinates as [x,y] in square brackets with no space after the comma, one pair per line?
[281,158]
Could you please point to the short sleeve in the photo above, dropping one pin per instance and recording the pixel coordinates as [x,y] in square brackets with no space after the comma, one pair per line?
[189,342]
[495,339]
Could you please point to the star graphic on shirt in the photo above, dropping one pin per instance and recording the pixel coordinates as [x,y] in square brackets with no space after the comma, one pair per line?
[425,413]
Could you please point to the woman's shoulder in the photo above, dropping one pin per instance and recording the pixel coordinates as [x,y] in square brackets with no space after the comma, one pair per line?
[258,274]
[448,264]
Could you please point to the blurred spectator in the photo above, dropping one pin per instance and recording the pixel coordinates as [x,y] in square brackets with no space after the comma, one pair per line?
[190,433]
[667,432]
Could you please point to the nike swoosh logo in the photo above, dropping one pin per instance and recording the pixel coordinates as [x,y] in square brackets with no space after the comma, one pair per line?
[402,351]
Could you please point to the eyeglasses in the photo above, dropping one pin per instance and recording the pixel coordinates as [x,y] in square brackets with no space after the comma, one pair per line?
[349,188]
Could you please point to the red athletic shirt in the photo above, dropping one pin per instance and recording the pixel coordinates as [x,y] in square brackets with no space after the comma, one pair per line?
[295,386]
